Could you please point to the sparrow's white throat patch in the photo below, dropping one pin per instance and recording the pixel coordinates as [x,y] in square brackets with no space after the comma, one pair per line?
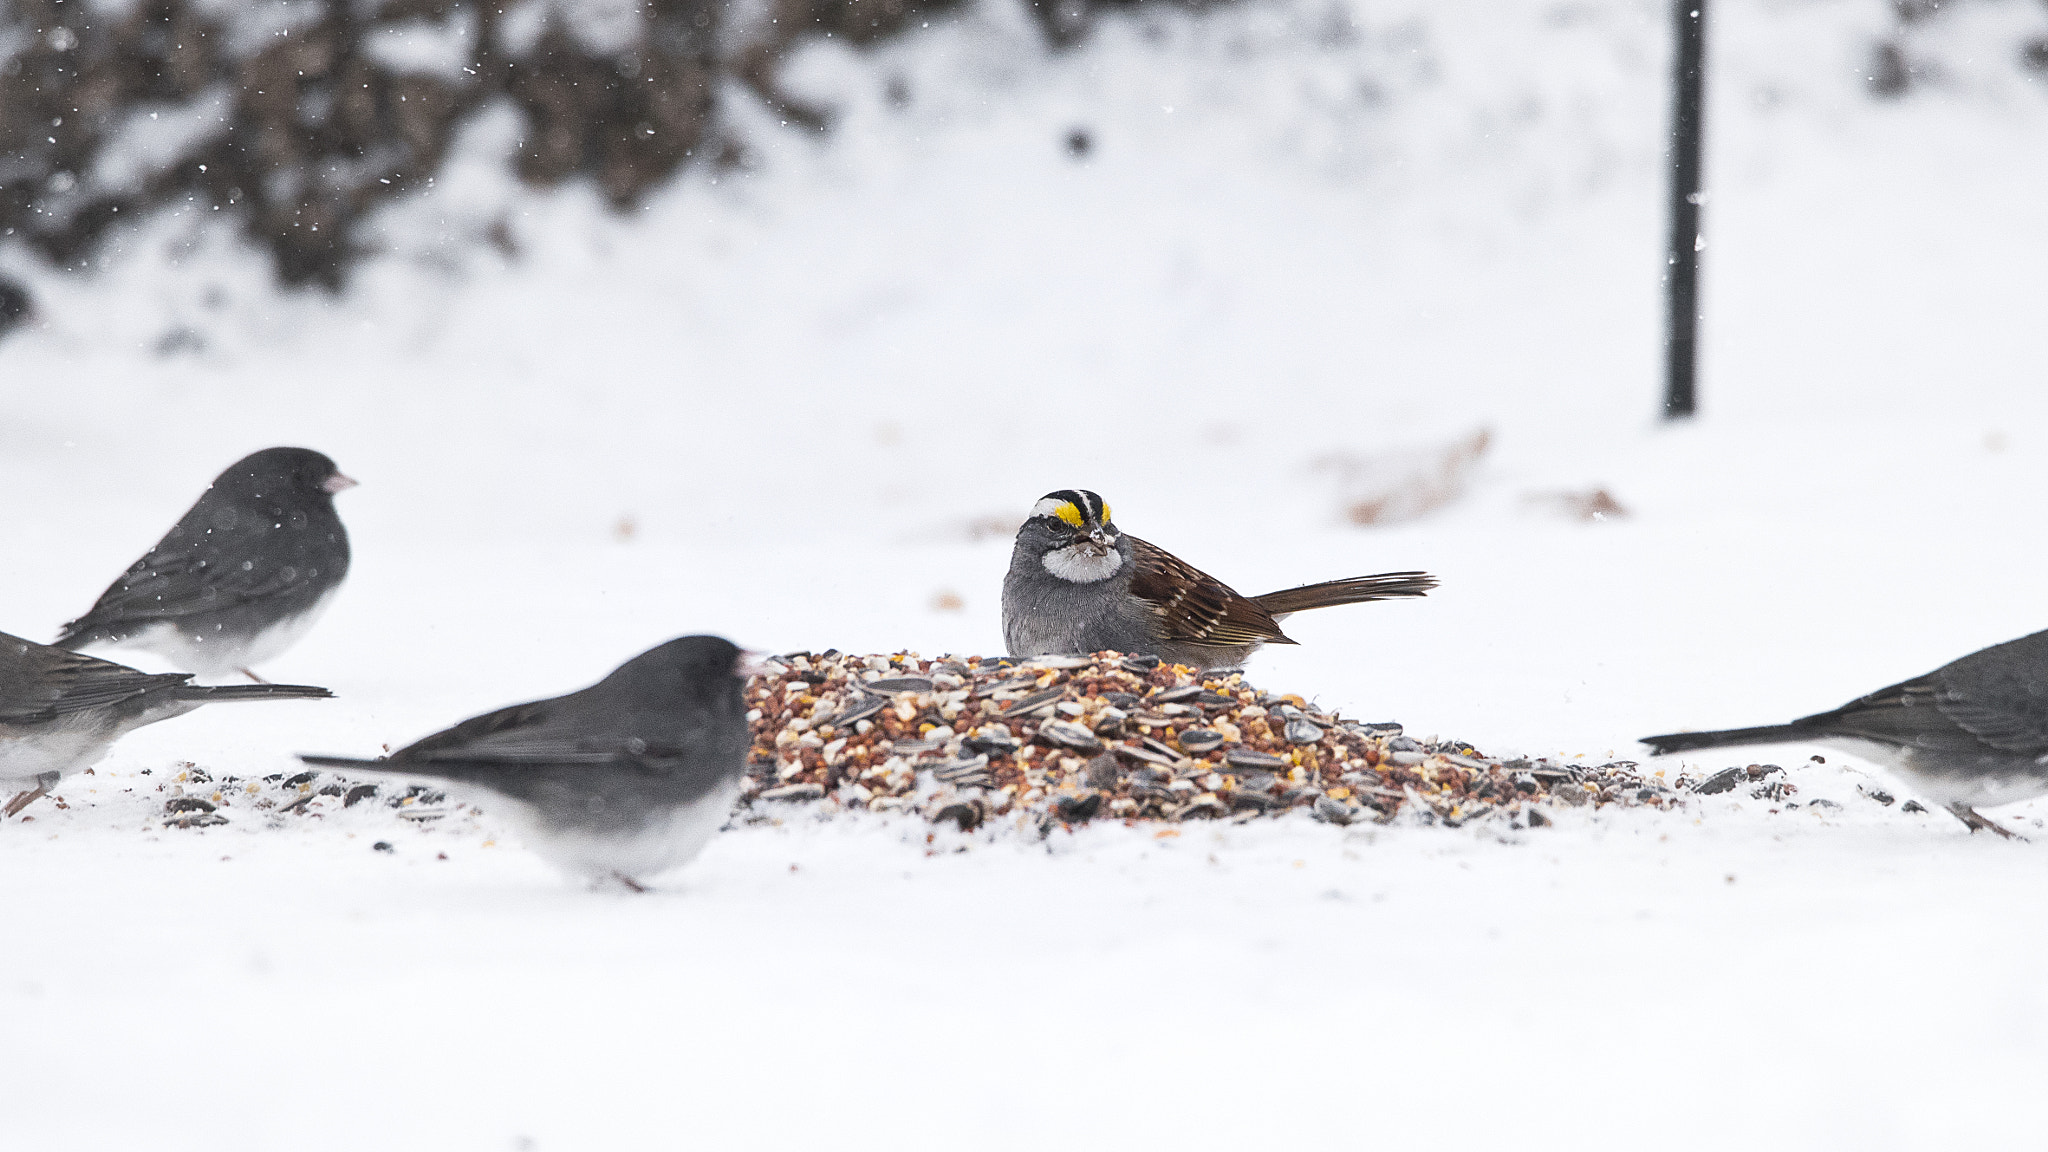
[1082,566]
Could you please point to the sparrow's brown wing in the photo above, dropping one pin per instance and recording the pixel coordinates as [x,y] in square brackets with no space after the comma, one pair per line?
[1195,607]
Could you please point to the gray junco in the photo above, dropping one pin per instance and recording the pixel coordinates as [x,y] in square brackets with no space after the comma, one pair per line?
[1077,584]
[1972,732]
[618,782]
[60,711]
[240,578]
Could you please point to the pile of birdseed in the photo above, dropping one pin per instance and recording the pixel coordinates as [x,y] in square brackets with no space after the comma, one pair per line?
[1046,741]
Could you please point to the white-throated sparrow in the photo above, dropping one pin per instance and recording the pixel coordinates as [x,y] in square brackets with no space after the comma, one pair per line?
[1077,584]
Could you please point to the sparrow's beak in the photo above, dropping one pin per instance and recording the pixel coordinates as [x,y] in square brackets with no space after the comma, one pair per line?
[752,664]
[337,483]
[1102,539]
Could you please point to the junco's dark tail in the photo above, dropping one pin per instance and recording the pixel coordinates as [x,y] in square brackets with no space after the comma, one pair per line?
[347,762]
[1728,738]
[229,693]
[1350,590]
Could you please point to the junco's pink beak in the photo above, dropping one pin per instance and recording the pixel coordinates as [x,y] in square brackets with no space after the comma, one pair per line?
[752,664]
[337,483]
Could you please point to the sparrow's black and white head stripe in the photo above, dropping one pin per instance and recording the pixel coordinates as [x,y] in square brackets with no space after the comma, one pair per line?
[1077,508]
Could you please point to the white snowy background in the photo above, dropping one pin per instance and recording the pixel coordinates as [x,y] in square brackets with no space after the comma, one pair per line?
[787,403]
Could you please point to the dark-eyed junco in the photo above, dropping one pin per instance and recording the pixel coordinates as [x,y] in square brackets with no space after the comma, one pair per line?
[1077,584]
[1973,732]
[616,783]
[240,578]
[60,711]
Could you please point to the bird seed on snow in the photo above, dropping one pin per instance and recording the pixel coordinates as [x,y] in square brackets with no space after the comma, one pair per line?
[1051,740]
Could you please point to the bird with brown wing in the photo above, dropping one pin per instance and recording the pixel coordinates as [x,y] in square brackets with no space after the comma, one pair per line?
[1078,584]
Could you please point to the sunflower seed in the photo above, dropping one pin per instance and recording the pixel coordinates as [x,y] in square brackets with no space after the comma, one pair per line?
[968,813]
[1163,749]
[1032,703]
[860,709]
[1067,735]
[1075,809]
[1247,759]
[1175,695]
[964,773]
[1725,781]
[1195,741]
[1145,755]
[991,740]
[1332,811]
[1303,732]
[795,792]
[1139,664]
[898,684]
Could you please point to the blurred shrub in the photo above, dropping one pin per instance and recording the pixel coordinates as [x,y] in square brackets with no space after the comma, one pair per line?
[297,118]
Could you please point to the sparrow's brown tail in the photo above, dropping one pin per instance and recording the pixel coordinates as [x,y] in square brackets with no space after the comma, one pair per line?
[1350,590]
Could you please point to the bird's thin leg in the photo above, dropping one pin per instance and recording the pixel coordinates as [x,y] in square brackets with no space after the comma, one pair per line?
[629,882]
[1975,821]
[253,676]
[24,799]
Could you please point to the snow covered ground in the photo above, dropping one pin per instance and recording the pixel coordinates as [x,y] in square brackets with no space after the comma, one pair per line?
[788,403]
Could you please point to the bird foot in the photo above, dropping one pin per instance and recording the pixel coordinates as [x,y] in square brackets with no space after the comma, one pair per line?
[253,676]
[24,799]
[1976,822]
[629,882]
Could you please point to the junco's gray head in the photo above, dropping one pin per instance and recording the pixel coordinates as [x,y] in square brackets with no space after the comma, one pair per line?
[280,475]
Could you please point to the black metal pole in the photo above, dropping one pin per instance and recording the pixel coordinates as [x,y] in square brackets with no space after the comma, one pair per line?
[1682,261]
